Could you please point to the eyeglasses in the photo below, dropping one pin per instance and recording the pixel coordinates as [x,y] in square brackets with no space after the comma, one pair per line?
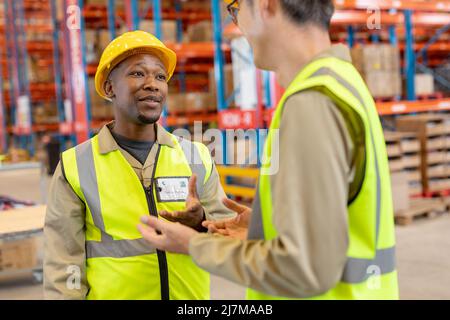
[233,10]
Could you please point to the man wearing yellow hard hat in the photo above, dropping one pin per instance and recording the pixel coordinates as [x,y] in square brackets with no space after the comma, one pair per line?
[322,226]
[132,167]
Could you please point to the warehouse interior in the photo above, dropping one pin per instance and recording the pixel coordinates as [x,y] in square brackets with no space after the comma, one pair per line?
[48,103]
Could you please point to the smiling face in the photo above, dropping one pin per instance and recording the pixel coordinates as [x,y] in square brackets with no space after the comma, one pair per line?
[138,89]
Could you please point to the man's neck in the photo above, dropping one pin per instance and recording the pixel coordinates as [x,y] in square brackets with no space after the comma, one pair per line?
[135,132]
[303,46]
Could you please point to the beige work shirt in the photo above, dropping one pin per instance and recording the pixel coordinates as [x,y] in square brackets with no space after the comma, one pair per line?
[64,231]
[317,165]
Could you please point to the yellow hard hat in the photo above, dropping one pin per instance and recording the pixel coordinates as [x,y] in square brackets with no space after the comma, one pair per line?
[231,1]
[126,45]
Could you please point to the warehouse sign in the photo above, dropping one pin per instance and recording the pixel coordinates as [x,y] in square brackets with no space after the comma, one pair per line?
[237,119]
[78,80]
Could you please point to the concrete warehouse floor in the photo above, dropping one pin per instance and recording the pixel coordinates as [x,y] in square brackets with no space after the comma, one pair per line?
[423,253]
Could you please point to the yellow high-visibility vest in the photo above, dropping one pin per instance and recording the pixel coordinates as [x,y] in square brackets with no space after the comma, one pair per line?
[120,264]
[370,271]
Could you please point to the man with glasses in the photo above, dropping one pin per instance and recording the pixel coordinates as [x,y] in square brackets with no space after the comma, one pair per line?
[322,226]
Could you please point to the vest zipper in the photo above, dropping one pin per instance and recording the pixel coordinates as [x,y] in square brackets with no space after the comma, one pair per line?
[162,259]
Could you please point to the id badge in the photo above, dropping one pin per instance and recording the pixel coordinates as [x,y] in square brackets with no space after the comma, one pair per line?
[172,189]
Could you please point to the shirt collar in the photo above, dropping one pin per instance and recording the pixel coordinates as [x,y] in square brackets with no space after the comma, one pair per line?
[339,51]
[107,143]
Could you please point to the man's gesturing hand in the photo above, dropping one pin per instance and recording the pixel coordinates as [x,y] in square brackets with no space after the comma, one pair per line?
[173,237]
[236,227]
[194,214]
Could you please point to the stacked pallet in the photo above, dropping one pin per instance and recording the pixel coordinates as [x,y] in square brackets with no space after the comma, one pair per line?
[404,154]
[403,150]
[421,207]
[432,131]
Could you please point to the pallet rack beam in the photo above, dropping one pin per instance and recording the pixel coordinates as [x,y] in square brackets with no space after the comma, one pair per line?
[403,107]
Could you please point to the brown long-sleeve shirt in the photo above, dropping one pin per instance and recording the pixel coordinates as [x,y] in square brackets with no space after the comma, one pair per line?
[64,231]
[318,165]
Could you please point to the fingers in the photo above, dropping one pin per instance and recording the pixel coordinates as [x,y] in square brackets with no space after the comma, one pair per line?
[233,205]
[216,224]
[192,185]
[150,234]
[213,229]
[155,223]
[171,216]
[193,206]
[147,232]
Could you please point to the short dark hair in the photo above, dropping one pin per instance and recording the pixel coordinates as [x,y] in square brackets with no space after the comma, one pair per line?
[317,12]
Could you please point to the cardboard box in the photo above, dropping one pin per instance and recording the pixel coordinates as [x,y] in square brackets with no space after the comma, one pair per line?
[380,67]
[104,38]
[228,86]
[200,32]
[16,255]
[424,84]
[198,101]
[376,57]
[95,98]
[45,113]
[400,191]
[390,57]
[383,83]
[169,29]
[100,108]
[39,70]
[176,103]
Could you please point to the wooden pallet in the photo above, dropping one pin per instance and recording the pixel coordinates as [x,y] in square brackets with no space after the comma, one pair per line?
[428,208]
[430,96]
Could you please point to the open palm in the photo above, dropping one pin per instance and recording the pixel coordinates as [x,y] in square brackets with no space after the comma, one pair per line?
[236,227]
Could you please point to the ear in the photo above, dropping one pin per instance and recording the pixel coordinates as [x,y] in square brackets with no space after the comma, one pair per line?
[108,88]
[268,8]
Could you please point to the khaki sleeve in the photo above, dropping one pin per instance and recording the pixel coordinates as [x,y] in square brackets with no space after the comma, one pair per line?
[64,234]
[212,196]
[309,192]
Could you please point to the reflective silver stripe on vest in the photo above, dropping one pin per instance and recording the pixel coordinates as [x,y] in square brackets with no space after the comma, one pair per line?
[89,185]
[195,162]
[107,246]
[359,270]
[118,248]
